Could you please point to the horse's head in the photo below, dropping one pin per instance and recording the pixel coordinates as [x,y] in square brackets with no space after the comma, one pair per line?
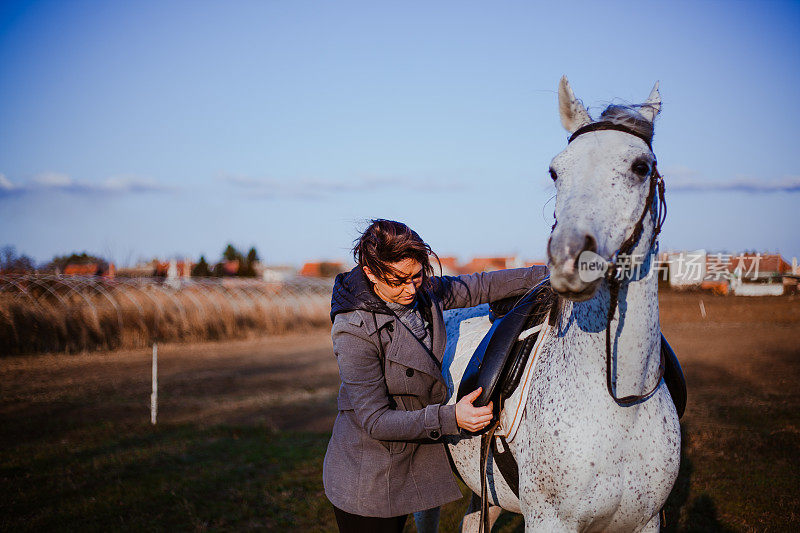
[602,182]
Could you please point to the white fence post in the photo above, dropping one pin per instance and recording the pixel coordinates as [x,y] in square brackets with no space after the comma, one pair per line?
[154,394]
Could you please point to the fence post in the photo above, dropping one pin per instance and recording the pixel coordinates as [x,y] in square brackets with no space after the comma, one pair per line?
[154,394]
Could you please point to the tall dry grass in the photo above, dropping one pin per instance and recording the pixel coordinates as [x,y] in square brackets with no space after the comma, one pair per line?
[67,315]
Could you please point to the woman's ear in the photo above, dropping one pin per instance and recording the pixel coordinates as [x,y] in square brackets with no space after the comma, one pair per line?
[369,274]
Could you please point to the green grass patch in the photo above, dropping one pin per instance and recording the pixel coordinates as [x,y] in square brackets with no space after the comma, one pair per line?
[167,478]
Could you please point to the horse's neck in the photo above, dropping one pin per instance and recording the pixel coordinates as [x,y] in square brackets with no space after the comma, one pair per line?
[635,335]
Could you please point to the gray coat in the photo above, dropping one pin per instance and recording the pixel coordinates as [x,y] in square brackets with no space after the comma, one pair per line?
[385,457]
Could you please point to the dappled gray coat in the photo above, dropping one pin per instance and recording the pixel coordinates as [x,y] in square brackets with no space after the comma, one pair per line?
[385,457]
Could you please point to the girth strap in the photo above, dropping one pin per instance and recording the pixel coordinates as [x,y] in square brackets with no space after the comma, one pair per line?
[506,463]
[486,443]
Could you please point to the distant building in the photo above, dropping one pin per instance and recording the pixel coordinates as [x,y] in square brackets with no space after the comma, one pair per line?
[276,272]
[230,267]
[322,269]
[449,266]
[106,270]
[761,275]
[141,270]
[686,269]
[744,274]
[488,264]
[173,269]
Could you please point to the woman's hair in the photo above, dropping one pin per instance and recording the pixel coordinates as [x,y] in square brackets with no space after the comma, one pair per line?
[387,241]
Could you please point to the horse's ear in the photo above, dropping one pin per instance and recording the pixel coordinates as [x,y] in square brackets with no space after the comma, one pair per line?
[573,114]
[652,106]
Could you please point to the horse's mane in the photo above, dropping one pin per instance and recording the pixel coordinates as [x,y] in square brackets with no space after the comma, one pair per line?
[630,117]
[550,302]
[546,301]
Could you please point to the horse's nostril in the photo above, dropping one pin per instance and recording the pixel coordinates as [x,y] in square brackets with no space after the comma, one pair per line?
[590,244]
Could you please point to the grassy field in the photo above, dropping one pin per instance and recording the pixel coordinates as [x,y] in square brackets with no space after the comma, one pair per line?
[243,427]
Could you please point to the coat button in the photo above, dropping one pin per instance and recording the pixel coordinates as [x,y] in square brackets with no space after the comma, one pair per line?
[390,327]
[409,372]
[434,434]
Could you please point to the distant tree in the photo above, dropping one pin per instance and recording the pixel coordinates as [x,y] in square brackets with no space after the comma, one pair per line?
[247,267]
[201,269]
[11,262]
[252,256]
[59,262]
[232,254]
[218,271]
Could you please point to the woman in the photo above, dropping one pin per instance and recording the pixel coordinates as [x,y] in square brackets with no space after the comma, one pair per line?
[386,458]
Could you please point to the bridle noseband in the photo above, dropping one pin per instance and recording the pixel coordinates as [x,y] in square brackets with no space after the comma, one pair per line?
[656,187]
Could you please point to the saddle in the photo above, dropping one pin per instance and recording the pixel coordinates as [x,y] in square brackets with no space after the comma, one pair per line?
[500,358]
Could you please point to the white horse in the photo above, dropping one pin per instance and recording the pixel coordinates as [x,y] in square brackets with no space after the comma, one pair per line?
[589,461]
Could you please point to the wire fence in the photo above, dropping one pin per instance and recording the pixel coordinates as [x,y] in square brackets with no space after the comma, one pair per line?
[49,313]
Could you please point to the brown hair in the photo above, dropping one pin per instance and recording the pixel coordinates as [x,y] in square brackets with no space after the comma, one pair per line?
[387,241]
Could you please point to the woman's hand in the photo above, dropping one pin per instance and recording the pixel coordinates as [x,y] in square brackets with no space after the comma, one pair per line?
[472,418]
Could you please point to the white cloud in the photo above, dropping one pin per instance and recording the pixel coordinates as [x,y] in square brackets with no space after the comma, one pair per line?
[5,184]
[56,181]
[314,188]
[686,179]
[52,180]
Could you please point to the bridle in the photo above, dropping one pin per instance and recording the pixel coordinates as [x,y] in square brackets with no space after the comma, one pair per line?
[614,282]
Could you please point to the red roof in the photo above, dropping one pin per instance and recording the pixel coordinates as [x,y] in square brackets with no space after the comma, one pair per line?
[764,263]
[321,269]
[84,269]
[89,269]
[449,262]
[486,264]
[231,267]
[535,263]
[449,265]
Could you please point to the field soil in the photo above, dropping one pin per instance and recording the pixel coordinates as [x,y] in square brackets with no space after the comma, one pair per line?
[242,428]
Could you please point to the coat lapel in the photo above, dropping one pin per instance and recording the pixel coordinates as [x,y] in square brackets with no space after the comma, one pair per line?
[405,348]
[369,324]
[408,351]
[439,331]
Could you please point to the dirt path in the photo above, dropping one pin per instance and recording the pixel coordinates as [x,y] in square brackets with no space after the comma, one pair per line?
[286,382]
[741,430]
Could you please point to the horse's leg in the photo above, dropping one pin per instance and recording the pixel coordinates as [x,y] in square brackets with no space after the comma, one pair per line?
[472,517]
[427,521]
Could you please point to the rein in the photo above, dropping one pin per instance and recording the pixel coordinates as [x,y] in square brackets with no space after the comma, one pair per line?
[614,282]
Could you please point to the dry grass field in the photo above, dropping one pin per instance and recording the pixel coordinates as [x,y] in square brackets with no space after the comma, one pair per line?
[243,427]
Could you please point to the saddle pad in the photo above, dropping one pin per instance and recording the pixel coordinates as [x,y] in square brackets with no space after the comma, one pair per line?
[461,346]
[514,405]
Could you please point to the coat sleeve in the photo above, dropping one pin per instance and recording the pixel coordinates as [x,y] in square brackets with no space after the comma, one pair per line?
[362,376]
[470,290]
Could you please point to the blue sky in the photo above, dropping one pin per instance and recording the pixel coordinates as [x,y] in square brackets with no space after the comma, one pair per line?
[142,129]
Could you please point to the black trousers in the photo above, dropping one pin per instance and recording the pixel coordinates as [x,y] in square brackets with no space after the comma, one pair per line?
[353,523]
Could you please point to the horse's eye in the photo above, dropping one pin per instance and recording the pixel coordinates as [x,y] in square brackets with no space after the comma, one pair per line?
[553,174]
[640,168]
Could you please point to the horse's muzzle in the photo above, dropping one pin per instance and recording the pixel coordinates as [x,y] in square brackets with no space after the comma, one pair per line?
[569,277]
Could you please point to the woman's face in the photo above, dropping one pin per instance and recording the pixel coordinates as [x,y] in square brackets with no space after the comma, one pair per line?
[403,288]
